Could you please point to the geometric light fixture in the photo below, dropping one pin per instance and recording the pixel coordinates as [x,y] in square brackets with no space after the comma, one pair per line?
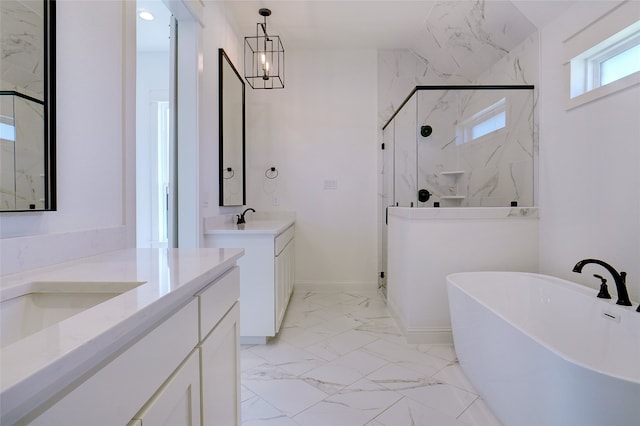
[264,57]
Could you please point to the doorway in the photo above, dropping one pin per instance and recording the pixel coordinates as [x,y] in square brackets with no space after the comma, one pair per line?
[154,125]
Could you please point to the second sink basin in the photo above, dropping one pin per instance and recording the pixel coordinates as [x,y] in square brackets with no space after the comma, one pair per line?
[43,304]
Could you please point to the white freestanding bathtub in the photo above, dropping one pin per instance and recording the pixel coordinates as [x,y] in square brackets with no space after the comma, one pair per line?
[545,351]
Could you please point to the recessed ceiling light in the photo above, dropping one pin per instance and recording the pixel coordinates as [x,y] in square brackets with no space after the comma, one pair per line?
[147,16]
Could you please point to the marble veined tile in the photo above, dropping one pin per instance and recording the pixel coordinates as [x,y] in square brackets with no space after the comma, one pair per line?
[290,396]
[395,377]
[303,317]
[341,344]
[246,394]
[287,358]
[443,397]
[249,360]
[361,361]
[331,378]
[409,412]
[303,295]
[478,414]
[355,405]
[340,360]
[338,374]
[264,372]
[453,375]
[370,310]
[301,336]
[329,298]
[339,324]
[257,412]
[382,327]
[406,357]
[441,351]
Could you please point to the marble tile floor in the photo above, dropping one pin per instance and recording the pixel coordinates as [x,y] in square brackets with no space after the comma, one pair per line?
[340,360]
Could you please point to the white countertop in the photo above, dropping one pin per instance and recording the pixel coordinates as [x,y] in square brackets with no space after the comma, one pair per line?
[33,368]
[270,227]
[430,213]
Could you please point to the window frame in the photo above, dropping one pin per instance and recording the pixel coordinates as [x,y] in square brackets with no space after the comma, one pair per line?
[467,126]
[607,53]
[608,36]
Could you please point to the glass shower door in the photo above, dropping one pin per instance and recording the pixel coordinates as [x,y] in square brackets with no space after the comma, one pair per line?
[385,200]
[405,162]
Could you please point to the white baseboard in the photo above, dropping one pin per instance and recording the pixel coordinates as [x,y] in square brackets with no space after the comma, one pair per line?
[429,336]
[420,335]
[253,340]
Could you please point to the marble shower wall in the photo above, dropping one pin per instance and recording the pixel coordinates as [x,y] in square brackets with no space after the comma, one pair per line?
[22,41]
[465,43]
[22,160]
[490,171]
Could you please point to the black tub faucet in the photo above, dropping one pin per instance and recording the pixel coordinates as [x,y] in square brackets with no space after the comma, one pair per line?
[619,279]
[241,216]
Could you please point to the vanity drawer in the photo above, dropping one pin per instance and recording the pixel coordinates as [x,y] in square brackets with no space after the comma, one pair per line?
[216,298]
[283,239]
[117,390]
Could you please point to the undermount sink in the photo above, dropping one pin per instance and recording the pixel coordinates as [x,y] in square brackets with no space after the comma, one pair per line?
[42,304]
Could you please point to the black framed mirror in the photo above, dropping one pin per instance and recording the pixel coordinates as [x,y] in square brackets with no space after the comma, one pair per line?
[27,106]
[232,133]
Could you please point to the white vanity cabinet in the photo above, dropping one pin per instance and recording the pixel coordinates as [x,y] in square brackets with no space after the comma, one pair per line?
[220,352]
[284,273]
[183,372]
[267,274]
[177,402]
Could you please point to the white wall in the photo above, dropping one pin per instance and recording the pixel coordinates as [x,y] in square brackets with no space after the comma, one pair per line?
[589,158]
[95,123]
[320,127]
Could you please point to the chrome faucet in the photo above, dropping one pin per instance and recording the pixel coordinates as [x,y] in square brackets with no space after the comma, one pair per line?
[618,278]
[241,216]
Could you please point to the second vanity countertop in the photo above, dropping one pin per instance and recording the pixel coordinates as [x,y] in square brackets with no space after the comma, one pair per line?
[257,223]
[34,367]
[253,227]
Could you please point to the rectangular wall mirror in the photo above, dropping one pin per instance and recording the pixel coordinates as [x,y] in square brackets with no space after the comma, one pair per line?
[27,105]
[231,107]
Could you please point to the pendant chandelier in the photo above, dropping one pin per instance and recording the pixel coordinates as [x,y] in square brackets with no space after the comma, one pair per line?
[264,57]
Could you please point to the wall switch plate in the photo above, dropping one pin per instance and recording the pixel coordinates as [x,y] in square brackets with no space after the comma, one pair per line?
[330,184]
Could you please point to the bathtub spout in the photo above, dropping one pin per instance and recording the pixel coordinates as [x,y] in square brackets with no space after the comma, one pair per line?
[618,277]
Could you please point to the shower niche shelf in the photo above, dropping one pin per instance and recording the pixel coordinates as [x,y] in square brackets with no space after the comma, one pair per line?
[455,175]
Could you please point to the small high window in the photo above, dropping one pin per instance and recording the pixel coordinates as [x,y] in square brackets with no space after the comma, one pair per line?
[7,129]
[607,62]
[621,63]
[482,123]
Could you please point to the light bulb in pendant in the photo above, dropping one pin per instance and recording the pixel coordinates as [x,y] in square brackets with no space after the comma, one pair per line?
[265,76]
